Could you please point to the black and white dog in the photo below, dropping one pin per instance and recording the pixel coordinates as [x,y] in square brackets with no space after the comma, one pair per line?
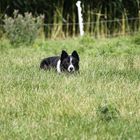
[63,63]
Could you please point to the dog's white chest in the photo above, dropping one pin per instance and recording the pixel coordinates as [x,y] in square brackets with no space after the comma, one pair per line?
[58,66]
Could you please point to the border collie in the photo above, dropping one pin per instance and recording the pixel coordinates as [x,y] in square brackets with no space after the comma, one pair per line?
[63,63]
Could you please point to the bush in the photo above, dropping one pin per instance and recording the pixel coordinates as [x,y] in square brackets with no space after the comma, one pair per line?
[22,29]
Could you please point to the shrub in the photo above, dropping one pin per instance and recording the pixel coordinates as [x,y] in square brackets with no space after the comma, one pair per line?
[22,29]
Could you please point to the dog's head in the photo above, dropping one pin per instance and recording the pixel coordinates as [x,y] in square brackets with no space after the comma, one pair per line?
[69,63]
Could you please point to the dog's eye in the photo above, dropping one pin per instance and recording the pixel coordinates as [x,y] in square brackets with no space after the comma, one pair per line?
[67,61]
[75,62]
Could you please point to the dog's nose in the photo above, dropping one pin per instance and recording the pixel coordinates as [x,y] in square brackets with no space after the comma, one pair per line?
[71,68]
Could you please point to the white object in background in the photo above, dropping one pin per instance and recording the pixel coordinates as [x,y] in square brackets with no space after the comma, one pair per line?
[80,18]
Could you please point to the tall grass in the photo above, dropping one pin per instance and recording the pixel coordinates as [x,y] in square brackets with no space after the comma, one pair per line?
[101,102]
[101,17]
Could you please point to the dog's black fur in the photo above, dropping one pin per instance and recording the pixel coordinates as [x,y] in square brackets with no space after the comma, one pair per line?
[64,62]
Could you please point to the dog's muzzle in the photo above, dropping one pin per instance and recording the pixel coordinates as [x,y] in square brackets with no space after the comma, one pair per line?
[71,68]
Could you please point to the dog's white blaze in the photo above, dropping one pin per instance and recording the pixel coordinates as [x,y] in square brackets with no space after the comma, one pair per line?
[71,65]
[58,66]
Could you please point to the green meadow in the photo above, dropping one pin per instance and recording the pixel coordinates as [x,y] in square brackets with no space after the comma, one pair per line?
[101,102]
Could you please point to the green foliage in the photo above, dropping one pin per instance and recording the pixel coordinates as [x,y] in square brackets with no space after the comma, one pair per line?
[96,13]
[22,30]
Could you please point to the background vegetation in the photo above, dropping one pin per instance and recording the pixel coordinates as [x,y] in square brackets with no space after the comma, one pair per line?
[61,16]
[22,29]
[101,102]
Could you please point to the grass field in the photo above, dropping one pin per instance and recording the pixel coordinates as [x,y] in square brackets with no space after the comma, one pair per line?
[101,102]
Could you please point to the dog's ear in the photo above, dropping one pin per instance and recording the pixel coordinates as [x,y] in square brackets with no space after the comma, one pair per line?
[75,54]
[64,55]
